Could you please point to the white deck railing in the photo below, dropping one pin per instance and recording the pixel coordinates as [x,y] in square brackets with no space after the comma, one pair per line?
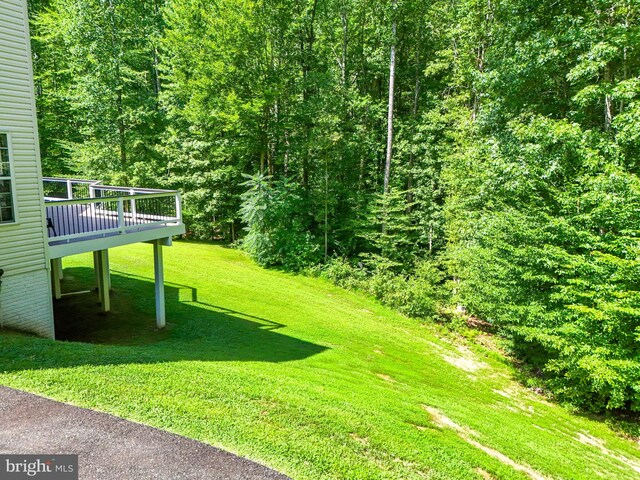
[83,209]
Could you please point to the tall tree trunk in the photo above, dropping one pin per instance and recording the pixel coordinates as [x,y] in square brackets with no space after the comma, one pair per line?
[392,83]
[608,101]
[157,85]
[609,21]
[121,129]
[625,63]
[307,54]
[481,52]
[345,44]
[116,48]
[414,114]
[287,148]
[326,209]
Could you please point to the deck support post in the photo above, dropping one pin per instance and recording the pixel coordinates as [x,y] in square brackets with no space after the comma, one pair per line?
[96,269]
[60,271]
[56,275]
[159,277]
[101,263]
[107,267]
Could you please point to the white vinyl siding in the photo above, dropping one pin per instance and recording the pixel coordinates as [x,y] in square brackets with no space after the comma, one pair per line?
[23,254]
[24,311]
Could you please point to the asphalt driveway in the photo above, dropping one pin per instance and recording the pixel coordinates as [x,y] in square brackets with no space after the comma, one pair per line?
[112,448]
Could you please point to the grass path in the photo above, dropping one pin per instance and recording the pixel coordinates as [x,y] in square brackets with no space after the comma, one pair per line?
[302,376]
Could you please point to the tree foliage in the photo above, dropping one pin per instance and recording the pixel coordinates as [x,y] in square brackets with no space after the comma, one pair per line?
[513,181]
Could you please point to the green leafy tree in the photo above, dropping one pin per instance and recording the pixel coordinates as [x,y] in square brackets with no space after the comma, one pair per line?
[97,66]
[277,232]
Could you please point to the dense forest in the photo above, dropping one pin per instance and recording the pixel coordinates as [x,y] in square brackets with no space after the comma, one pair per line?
[453,157]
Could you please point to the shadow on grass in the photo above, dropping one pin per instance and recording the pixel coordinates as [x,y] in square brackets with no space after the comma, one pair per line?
[195,330]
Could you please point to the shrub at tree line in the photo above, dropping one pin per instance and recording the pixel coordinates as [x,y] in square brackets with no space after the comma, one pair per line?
[505,181]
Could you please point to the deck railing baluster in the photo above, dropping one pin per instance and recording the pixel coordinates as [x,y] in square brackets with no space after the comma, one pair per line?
[134,210]
[106,210]
[121,224]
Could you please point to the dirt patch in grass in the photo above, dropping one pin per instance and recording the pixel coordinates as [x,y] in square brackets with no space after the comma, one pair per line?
[464,360]
[506,460]
[441,420]
[466,434]
[502,393]
[386,378]
[599,444]
[484,474]
[466,364]
[422,428]
[361,440]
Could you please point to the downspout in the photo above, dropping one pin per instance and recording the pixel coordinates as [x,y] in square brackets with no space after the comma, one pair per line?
[1,316]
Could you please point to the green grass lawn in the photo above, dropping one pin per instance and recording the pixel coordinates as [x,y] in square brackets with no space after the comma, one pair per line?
[302,376]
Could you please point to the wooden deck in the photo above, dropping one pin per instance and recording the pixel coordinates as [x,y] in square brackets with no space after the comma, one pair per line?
[79,223]
[84,216]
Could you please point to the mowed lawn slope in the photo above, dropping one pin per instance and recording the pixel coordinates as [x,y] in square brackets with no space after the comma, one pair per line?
[302,376]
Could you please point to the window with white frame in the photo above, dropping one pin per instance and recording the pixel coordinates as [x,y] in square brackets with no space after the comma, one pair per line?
[7,208]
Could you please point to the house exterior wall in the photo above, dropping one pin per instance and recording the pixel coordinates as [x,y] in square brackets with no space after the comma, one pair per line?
[25,294]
